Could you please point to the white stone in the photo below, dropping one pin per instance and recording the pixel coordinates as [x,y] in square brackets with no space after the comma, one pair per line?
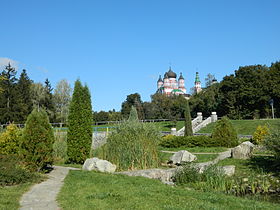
[182,156]
[228,170]
[97,164]
[243,151]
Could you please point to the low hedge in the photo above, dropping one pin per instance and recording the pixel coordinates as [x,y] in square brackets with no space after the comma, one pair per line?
[188,141]
[12,173]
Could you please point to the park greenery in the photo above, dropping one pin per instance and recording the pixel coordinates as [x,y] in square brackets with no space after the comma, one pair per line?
[79,135]
[132,145]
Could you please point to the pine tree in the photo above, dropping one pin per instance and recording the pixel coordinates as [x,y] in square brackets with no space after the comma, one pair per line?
[37,141]
[188,120]
[25,101]
[8,97]
[79,137]
[48,102]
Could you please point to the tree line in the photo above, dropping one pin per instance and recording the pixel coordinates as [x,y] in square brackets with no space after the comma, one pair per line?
[243,95]
[20,95]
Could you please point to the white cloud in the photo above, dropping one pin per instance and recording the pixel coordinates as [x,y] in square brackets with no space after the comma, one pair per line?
[5,61]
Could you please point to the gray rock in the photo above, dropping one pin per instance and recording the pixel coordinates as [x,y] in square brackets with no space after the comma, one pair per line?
[182,156]
[97,164]
[243,151]
[163,175]
[228,170]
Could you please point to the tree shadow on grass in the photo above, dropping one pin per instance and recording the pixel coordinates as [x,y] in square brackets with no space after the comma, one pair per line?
[267,164]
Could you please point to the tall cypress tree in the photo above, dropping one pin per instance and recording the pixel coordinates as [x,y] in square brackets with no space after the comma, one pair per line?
[48,102]
[188,120]
[79,135]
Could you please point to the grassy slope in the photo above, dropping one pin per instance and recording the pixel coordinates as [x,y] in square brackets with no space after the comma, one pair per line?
[10,196]
[245,127]
[91,190]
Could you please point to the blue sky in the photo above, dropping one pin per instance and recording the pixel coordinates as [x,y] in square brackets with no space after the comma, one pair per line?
[120,47]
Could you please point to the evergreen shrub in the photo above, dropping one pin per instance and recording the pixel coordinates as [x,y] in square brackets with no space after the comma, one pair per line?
[272,142]
[37,141]
[132,145]
[12,173]
[10,140]
[259,134]
[187,141]
[79,136]
[225,134]
[188,120]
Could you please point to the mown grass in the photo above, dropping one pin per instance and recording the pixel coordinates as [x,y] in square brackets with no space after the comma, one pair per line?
[92,190]
[245,127]
[10,196]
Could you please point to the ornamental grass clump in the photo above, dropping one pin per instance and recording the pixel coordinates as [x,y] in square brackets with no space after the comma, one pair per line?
[133,145]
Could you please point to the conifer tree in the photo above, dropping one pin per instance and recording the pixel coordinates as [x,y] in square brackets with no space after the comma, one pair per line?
[133,115]
[79,137]
[37,141]
[25,101]
[8,96]
[48,102]
[188,120]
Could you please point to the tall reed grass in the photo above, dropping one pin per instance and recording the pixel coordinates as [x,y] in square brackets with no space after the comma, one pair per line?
[132,145]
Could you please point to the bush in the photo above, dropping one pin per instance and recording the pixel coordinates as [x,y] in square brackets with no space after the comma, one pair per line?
[188,141]
[79,136]
[60,147]
[259,134]
[133,145]
[225,134]
[37,141]
[272,142]
[10,140]
[12,173]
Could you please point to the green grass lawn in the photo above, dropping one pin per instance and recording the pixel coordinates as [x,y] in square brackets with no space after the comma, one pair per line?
[10,196]
[245,127]
[92,190]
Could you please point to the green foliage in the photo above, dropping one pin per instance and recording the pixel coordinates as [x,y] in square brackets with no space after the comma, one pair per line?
[107,191]
[37,141]
[259,134]
[133,115]
[225,134]
[60,147]
[12,173]
[132,100]
[272,142]
[188,120]
[188,141]
[10,140]
[132,145]
[79,137]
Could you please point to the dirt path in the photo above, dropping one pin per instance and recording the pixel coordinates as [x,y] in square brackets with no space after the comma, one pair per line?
[42,196]
[195,153]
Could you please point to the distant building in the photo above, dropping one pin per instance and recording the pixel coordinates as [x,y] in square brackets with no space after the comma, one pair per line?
[197,84]
[170,86]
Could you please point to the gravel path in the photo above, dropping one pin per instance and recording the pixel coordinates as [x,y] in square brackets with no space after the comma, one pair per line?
[42,196]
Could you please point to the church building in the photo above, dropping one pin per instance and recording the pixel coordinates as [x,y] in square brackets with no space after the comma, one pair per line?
[170,86]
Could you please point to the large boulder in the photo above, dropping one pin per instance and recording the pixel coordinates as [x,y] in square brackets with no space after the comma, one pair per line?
[182,156]
[242,151]
[97,164]
[164,175]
